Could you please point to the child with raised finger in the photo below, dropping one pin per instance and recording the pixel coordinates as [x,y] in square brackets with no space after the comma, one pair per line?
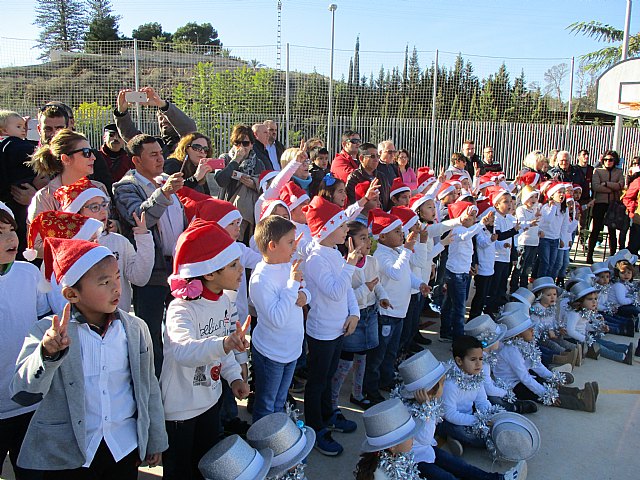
[199,344]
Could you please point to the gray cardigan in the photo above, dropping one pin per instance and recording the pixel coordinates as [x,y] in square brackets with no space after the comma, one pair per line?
[56,437]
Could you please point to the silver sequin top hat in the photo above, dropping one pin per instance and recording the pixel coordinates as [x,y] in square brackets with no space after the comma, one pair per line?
[623,254]
[599,267]
[582,289]
[419,371]
[387,424]
[290,442]
[234,459]
[580,274]
[515,437]
[485,329]
[543,282]
[523,295]
[515,306]
[516,321]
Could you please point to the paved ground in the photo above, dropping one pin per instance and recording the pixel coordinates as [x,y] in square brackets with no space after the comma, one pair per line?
[575,445]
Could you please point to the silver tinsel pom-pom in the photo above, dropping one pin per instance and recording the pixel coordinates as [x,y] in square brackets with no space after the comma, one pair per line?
[463,380]
[529,350]
[557,379]
[297,474]
[550,394]
[432,410]
[490,358]
[510,396]
[400,466]
[481,428]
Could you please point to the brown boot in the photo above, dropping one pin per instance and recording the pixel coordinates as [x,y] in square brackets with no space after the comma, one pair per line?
[593,351]
[574,357]
[588,397]
[579,355]
[562,359]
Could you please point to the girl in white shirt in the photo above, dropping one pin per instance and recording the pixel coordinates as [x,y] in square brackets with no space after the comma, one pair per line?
[566,235]
[527,214]
[625,292]
[554,217]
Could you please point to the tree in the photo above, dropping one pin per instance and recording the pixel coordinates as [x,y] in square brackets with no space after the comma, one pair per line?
[607,56]
[103,26]
[554,78]
[151,32]
[195,34]
[62,24]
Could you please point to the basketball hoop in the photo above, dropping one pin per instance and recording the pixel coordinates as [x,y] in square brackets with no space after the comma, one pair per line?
[629,105]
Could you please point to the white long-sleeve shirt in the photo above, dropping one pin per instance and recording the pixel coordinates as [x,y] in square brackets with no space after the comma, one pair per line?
[568,227]
[619,293]
[577,326]
[135,264]
[396,277]
[368,272]
[528,234]
[273,190]
[458,404]
[194,356]
[552,221]
[435,231]
[332,299]
[490,386]
[513,368]
[461,248]
[280,329]
[504,223]
[424,441]
[418,260]
[486,251]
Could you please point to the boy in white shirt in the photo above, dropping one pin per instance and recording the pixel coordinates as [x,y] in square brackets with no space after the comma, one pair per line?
[276,292]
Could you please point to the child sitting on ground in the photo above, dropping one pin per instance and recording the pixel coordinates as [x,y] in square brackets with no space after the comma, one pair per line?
[92,371]
[276,292]
[624,292]
[618,324]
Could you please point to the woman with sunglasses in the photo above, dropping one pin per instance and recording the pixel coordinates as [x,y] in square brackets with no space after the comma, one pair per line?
[67,158]
[190,157]
[607,183]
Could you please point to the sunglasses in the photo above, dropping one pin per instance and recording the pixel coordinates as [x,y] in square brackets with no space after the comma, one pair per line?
[609,159]
[96,207]
[86,152]
[244,143]
[329,180]
[371,155]
[200,148]
[355,141]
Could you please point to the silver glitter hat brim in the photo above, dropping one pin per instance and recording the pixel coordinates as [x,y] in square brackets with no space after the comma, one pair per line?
[282,469]
[525,423]
[367,447]
[267,456]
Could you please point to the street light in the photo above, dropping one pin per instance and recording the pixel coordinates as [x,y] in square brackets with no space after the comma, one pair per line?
[332,9]
[617,129]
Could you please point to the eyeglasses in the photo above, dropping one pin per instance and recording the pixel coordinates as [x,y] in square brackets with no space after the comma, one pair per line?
[391,151]
[112,134]
[329,180]
[86,152]
[200,148]
[608,159]
[244,143]
[96,207]
[371,155]
[355,141]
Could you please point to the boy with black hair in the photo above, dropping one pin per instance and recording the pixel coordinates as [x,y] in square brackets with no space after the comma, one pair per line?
[319,167]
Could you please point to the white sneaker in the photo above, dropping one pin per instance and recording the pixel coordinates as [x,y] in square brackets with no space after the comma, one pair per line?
[455,447]
[519,472]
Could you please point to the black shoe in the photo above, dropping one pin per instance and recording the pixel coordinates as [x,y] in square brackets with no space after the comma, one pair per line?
[413,347]
[301,374]
[637,354]
[364,403]
[297,386]
[525,406]
[250,400]
[420,340]
[374,399]
[628,358]
[235,426]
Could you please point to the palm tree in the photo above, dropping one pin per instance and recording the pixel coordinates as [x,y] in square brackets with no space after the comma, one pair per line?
[607,56]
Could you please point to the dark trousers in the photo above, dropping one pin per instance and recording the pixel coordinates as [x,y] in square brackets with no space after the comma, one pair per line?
[12,432]
[497,295]
[634,238]
[103,467]
[599,211]
[450,467]
[411,321]
[189,440]
[149,304]
[480,297]
[566,395]
[381,359]
[322,364]
[526,258]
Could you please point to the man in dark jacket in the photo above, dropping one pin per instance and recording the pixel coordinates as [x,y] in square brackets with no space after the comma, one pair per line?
[261,135]
[488,163]
[367,172]
[469,151]
[565,172]
[274,147]
[114,154]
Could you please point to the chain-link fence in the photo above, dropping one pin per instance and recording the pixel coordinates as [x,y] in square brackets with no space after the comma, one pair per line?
[426,101]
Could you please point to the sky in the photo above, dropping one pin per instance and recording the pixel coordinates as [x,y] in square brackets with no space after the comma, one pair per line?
[533,31]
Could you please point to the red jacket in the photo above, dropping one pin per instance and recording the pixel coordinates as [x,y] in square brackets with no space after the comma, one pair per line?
[343,164]
[630,198]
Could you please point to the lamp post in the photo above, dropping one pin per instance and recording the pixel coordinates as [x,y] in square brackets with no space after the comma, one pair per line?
[617,129]
[332,9]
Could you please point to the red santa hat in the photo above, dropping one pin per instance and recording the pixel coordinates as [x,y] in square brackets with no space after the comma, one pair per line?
[382,222]
[484,208]
[458,208]
[268,206]
[576,186]
[458,177]
[69,259]
[554,188]
[530,178]
[527,194]
[426,178]
[361,189]
[58,224]
[203,248]
[219,211]
[418,200]
[445,189]
[73,197]
[485,181]
[264,177]
[323,217]
[495,193]
[190,199]
[498,177]
[3,206]
[407,216]
[293,195]
[398,187]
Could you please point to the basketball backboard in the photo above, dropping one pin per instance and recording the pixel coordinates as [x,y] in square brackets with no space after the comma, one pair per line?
[618,89]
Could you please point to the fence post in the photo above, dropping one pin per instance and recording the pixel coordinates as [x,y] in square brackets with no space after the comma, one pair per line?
[432,146]
[287,99]
[137,81]
[570,107]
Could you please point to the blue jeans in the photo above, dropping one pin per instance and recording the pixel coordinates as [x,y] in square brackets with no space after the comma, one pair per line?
[527,255]
[450,467]
[460,433]
[272,381]
[612,350]
[547,255]
[562,263]
[619,325]
[365,336]
[380,360]
[228,405]
[454,306]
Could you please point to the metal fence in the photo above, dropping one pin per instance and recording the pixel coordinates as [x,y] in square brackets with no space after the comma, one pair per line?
[426,101]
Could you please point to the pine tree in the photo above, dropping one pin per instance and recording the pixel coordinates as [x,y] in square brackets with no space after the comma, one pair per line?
[62,24]
[103,26]
[356,62]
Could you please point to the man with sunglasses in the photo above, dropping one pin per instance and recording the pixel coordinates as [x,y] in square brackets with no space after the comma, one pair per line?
[113,153]
[346,161]
[367,172]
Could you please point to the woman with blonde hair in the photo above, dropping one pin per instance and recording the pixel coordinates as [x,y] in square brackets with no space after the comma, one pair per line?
[535,161]
[190,157]
[67,158]
[301,176]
